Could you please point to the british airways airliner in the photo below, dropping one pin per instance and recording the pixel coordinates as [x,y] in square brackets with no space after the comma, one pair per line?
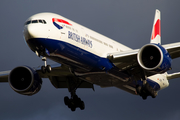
[85,57]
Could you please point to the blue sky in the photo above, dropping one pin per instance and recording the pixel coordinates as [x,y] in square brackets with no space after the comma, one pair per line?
[126,21]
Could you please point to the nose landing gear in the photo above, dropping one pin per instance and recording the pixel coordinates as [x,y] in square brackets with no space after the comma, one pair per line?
[45,67]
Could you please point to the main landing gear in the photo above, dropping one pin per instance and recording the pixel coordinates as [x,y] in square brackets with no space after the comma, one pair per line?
[45,67]
[74,102]
[146,90]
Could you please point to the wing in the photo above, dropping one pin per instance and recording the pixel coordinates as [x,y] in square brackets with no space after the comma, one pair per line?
[60,76]
[128,60]
[173,49]
[173,75]
[4,76]
[124,60]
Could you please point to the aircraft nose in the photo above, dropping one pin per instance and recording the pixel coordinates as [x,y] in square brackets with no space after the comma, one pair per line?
[30,31]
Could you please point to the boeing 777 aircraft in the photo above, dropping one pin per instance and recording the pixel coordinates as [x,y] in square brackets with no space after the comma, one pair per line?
[85,58]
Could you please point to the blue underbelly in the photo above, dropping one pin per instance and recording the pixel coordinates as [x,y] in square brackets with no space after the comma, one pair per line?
[70,53]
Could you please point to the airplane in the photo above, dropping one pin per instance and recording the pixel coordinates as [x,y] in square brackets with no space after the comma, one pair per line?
[86,58]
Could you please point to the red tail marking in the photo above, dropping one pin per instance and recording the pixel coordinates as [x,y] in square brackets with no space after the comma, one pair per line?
[156,29]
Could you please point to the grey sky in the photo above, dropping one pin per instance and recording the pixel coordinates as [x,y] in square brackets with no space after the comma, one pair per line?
[126,21]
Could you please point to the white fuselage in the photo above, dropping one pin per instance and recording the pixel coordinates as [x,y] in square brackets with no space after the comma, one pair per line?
[80,48]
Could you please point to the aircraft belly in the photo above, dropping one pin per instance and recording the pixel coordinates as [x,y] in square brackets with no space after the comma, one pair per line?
[70,53]
[86,65]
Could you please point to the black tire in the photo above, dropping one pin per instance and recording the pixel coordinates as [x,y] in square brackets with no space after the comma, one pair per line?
[43,69]
[138,89]
[73,108]
[150,90]
[82,105]
[144,97]
[48,68]
[79,100]
[66,100]
[69,105]
[147,86]
[154,94]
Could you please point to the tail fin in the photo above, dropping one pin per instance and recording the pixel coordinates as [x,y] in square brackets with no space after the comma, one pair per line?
[156,30]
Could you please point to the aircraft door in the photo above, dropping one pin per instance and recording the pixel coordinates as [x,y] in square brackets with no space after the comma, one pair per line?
[62,32]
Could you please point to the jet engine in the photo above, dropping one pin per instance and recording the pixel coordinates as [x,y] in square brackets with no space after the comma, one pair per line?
[24,80]
[154,58]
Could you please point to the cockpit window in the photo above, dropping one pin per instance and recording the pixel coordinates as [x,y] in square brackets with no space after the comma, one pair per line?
[44,21]
[40,21]
[28,22]
[35,21]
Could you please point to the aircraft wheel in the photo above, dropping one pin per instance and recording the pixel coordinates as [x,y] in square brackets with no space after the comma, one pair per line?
[147,86]
[69,105]
[144,97]
[48,68]
[43,69]
[154,94]
[82,105]
[66,100]
[72,105]
[150,90]
[73,108]
[78,100]
[74,102]
[138,89]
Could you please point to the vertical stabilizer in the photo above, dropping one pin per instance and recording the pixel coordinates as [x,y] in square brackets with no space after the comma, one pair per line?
[156,30]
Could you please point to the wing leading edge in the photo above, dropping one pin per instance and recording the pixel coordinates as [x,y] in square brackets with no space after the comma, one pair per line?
[127,58]
[59,76]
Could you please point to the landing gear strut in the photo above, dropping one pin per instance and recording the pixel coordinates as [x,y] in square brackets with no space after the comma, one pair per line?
[145,89]
[45,67]
[74,101]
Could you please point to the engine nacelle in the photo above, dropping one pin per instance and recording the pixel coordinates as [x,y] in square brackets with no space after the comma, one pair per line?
[25,80]
[154,58]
